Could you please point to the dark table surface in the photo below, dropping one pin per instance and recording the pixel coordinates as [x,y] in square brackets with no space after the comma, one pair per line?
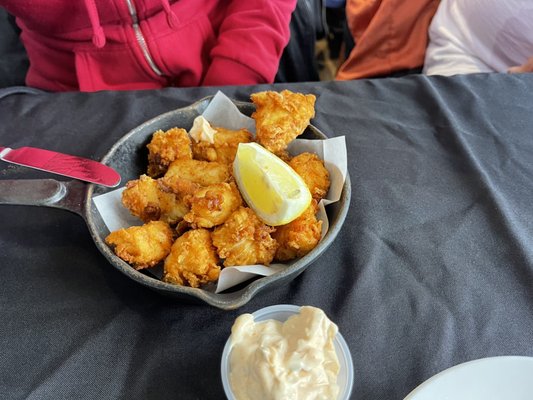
[433,266]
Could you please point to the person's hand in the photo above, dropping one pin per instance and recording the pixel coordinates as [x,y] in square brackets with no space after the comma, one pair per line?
[527,67]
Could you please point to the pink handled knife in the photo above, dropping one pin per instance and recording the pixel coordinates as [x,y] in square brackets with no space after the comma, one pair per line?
[62,164]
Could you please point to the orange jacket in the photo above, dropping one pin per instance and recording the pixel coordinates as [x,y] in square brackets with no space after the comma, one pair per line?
[390,35]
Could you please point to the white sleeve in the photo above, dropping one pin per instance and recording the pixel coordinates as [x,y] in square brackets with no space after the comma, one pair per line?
[467,36]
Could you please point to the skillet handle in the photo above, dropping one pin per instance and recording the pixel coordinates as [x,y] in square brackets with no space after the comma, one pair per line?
[44,192]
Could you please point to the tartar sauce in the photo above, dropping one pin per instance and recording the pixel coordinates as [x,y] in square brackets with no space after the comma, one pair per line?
[201,130]
[291,360]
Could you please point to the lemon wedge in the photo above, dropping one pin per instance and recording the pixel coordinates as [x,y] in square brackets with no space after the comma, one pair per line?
[270,187]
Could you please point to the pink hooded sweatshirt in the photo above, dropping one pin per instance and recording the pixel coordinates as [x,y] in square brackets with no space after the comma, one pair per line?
[92,45]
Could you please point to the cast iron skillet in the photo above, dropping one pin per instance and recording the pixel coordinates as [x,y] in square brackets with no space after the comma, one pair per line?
[129,157]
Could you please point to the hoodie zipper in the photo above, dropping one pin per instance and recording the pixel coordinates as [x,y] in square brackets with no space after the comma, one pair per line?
[141,39]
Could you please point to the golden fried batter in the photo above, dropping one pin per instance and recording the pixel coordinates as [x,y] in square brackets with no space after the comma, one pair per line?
[244,240]
[281,117]
[192,260]
[299,237]
[142,246]
[312,170]
[224,147]
[148,200]
[166,147]
[203,173]
[182,188]
[212,205]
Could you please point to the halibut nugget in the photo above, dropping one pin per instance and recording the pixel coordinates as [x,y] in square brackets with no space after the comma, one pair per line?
[244,239]
[298,237]
[142,246]
[148,200]
[212,205]
[315,175]
[166,147]
[203,173]
[281,117]
[192,260]
[224,146]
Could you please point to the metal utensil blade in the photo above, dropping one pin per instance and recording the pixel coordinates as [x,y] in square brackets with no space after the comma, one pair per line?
[62,164]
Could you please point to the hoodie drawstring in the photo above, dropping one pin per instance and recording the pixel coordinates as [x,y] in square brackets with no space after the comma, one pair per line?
[172,18]
[99,39]
[98,32]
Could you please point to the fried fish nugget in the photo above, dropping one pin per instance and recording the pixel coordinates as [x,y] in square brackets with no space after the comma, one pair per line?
[312,170]
[146,199]
[182,188]
[212,205]
[244,239]
[166,147]
[142,246]
[192,260]
[224,147]
[203,173]
[298,237]
[281,117]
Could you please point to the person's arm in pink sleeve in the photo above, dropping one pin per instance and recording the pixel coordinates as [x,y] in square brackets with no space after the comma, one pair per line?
[250,42]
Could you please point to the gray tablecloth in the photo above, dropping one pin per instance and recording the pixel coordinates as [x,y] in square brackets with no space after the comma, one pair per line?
[433,266]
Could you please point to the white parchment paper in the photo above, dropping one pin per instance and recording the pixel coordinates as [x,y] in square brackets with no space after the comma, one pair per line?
[222,112]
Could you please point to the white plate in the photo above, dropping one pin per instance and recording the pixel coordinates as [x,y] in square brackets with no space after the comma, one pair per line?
[494,378]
